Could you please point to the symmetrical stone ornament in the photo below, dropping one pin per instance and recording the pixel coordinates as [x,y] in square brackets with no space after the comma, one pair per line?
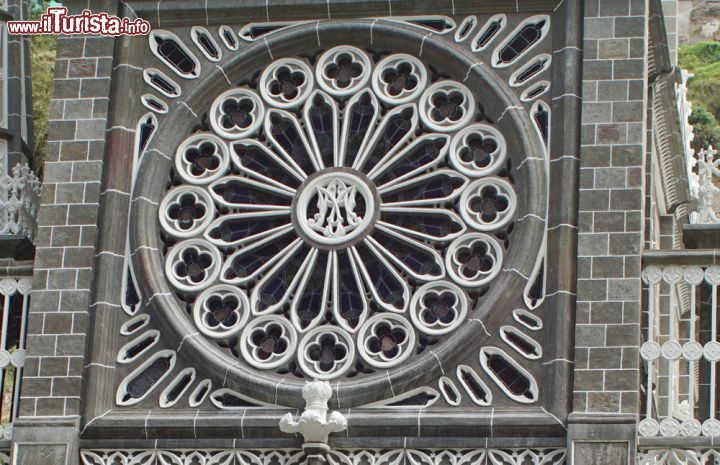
[372,216]
[348,211]
[678,456]
[670,411]
[314,424]
[704,189]
[19,201]
[539,456]
[342,213]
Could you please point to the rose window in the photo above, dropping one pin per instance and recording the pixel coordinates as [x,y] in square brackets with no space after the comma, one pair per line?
[339,214]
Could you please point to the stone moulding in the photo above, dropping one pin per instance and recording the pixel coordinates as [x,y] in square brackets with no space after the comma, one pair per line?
[675,456]
[550,456]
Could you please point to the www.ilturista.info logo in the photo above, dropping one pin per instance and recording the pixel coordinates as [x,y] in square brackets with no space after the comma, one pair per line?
[57,21]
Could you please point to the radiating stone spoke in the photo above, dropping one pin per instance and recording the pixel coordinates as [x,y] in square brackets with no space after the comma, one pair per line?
[321,119]
[273,291]
[391,134]
[244,228]
[242,193]
[287,136]
[350,305]
[313,294]
[441,186]
[359,119]
[415,258]
[424,153]
[387,286]
[245,265]
[432,224]
[259,162]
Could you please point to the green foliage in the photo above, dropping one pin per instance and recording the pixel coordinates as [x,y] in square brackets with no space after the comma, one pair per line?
[696,56]
[703,60]
[705,127]
[42,66]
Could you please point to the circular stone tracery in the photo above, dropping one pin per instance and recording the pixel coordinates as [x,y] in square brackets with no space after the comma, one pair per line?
[335,207]
[349,229]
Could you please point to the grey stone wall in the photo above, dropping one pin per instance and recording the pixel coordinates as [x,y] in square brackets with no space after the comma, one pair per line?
[67,227]
[606,374]
[611,207]
[50,395]
[610,229]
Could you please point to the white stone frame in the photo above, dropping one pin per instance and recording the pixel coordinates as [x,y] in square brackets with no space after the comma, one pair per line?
[543,35]
[167,35]
[237,95]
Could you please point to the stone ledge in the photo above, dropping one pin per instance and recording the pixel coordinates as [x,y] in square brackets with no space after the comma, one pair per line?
[701,236]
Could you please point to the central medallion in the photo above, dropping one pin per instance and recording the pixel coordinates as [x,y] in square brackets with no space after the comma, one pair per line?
[335,208]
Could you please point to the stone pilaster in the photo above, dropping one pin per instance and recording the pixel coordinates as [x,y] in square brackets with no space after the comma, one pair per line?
[610,240]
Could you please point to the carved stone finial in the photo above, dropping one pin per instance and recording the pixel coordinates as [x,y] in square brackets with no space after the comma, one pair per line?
[704,188]
[314,423]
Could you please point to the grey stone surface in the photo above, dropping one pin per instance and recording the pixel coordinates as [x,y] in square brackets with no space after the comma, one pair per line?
[594,453]
[67,219]
[77,263]
[611,211]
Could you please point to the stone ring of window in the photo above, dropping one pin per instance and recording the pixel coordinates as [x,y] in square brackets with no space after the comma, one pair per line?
[301,226]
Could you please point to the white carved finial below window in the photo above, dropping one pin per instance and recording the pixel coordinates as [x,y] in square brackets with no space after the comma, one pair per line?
[314,423]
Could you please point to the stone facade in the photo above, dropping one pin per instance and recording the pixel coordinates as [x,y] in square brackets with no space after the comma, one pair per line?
[582,156]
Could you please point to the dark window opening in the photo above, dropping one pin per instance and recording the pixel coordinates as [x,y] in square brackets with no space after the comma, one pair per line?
[179,387]
[154,104]
[536,91]
[175,55]
[200,394]
[255,32]
[144,381]
[515,381]
[208,45]
[146,130]
[420,399]
[466,28]
[438,25]
[228,37]
[523,40]
[542,120]
[530,71]
[536,292]
[521,343]
[488,34]
[140,347]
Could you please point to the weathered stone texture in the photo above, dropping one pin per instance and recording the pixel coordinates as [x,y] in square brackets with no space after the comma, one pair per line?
[67,224]
[611,208]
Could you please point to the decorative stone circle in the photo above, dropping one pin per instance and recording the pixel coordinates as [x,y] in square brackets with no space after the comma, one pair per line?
[342,212]
[650,351]
[335,208]
[649,427]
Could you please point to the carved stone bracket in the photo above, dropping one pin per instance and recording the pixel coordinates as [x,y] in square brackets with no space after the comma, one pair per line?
[314,423]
